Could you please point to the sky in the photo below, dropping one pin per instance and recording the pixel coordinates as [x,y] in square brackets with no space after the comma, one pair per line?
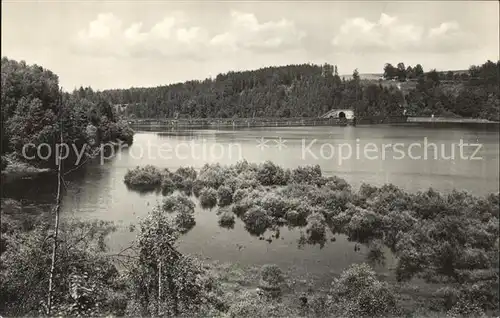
[137,43]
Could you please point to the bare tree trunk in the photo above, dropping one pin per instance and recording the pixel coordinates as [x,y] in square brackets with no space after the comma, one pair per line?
[159,287]
[56,225]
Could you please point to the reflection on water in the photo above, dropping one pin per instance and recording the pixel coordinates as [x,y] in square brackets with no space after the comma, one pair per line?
[98,191]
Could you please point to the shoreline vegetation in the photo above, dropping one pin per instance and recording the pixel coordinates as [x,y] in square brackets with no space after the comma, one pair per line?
[448,242]
[35,111]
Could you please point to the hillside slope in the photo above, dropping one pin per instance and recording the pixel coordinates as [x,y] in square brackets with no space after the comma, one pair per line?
[308,90]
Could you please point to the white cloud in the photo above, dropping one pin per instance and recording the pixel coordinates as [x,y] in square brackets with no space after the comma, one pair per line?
[172,36]
[247,33]
[102,27]
[444,29]
[175,35]
[392,34]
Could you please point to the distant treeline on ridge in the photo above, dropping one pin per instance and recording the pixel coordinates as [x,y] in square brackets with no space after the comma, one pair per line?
[311,90]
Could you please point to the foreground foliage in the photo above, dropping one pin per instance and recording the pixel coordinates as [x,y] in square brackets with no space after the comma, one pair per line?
[449,241]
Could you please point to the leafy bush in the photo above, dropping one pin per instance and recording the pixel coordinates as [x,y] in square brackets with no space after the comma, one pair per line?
[364,225]
[179,203]
[198,185]
[224,195]
[226,219]
[256,220]
[184,221]
[187,186]
[307,174]
[250,199]
[177,180]
[250,304]
[271,276]
[214,175]
[358,293]
[248,180]
[148,177]
[336,184]
[208,198]
[273,204]
[429,204]
[389,198]
[292,217]
[187,173]
[366,191]
[87,277]
[316,227]
[270,174]
[232,183]
[239,195]
[395,223]
[297,215]
[167,186]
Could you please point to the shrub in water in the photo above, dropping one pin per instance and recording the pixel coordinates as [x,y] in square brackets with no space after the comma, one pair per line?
[243,166]
[184,221]
[198,185]
[178,203]
[251,198]
[429,204]
[307,174]
[248,180]
[214,175]
[364,226]
[224,195]
[187,173]
[389,198]
[167,186]
[232,183]
[337,184]
[186,186]
[270,174]
[239,195]
[177,179]
[148,177]
[208,198]
[226,219]
[366,190]
[303,210]
[241,207]
[292,217]
[256,220]
[316,227]
[274,205]
[394,223]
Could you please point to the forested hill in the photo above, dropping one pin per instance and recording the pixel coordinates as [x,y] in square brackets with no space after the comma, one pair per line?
[33,109]
[287,91]
[310,90]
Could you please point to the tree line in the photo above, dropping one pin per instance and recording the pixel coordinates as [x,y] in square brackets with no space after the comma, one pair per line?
[309,90]
[35,110]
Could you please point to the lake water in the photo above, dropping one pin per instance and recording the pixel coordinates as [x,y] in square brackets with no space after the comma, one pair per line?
[415,164]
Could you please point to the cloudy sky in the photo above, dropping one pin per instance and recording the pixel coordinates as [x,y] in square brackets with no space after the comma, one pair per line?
[119,44]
